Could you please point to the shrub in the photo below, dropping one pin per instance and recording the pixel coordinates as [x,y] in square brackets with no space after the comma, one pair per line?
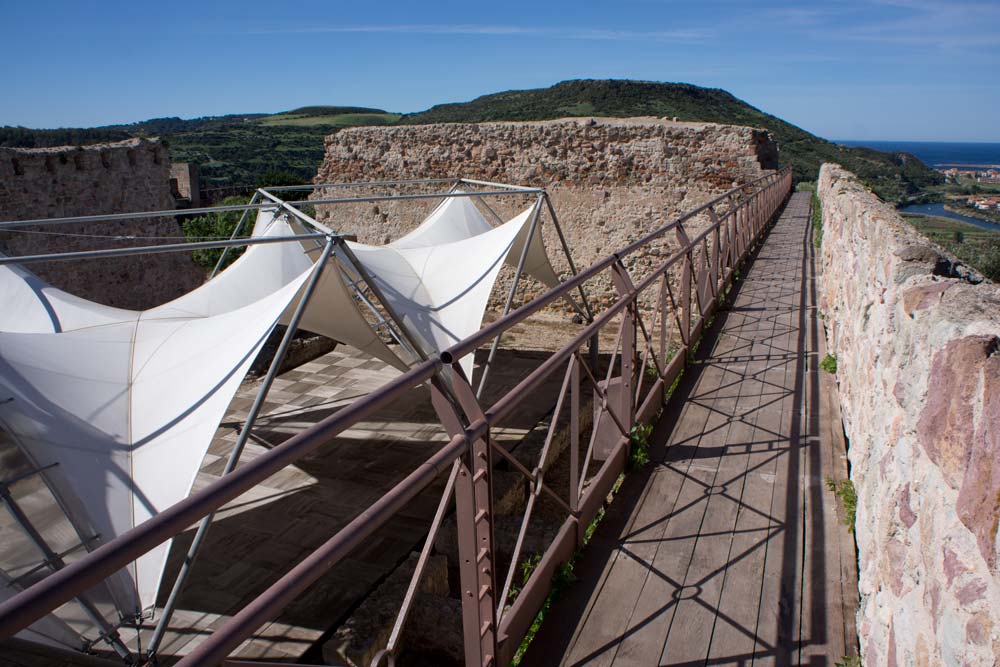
[218,226]
[639,455]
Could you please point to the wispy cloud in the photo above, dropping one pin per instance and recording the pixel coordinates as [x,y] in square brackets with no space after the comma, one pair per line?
[923,23]
[679,35]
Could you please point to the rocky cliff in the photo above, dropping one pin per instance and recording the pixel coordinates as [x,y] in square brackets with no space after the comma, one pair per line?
[917,340]
[611,180]
[119,177]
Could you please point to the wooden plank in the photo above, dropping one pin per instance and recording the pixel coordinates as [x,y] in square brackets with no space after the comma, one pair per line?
[612,620]
[690,635]
[734,638]
[607,622]
[677,557]
[780,603]
[754,572]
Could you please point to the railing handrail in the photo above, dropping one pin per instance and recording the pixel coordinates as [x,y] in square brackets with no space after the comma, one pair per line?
[59,587]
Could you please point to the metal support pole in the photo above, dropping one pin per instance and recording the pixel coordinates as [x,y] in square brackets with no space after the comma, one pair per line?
[356,264]
[490,184]
[361,184]
[569,257]
[55,562]
[433,195]
[496,217]
[236,232]
[308,219]
[511,294]
[152,249]
[234,456]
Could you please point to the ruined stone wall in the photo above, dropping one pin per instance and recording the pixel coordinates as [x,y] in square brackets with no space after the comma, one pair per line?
[119,177]
[611,180]
[918,365]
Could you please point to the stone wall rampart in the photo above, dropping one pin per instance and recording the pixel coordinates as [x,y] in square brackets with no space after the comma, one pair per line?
[917,340]
[611,180]
[119,177]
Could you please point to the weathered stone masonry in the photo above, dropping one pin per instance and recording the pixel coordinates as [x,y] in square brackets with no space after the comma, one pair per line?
[119,177]
[611,180]
[918,354]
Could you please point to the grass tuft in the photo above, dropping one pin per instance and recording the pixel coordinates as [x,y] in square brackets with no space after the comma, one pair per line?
[829,364]
[816,215]
[848,496]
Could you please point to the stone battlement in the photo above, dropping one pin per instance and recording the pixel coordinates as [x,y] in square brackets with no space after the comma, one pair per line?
[917,340]
[125,176]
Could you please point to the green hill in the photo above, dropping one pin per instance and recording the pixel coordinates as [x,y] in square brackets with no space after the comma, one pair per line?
[891,175]
[243,149]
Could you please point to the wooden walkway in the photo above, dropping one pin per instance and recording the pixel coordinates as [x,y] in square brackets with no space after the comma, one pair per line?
[729,549]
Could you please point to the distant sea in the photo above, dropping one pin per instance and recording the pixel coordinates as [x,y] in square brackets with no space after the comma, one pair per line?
[937,153]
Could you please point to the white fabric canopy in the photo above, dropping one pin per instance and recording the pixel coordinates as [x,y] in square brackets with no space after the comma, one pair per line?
[441,291]
[454,219]
[127,402]
[128,409]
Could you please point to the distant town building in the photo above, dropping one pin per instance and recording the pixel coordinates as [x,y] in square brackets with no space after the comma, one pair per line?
[985,203]
[956,175]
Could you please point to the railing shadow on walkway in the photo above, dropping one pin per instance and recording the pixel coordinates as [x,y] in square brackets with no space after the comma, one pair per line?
[616,535]
[701,267]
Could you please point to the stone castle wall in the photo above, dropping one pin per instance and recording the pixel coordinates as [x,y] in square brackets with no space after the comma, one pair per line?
[611,180]
[918,365]
[119,177]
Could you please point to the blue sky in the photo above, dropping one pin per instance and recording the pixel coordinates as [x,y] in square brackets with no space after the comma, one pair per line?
[860,69]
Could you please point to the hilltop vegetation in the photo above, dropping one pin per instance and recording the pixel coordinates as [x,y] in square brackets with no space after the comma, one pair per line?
[891,175]
[232,150]
[240,149]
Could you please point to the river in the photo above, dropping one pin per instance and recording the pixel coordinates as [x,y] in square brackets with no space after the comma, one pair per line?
[940,211]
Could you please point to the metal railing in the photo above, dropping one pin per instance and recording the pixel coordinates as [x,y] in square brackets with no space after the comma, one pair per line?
[651,349]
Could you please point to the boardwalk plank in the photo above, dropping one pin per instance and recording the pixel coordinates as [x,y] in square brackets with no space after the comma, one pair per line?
[753,571]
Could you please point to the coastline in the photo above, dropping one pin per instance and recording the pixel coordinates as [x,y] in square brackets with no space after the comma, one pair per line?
[973,213]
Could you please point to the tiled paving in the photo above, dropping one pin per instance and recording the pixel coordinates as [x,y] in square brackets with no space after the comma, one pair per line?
[257,537]
[261,534]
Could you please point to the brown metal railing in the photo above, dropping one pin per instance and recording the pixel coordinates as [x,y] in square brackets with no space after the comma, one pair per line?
[688,286]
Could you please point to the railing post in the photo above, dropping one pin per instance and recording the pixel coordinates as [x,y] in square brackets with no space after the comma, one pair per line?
[474,520]
[623,285]
[748,227]
[716,253]
[662,306]
[574,435]
[682,239]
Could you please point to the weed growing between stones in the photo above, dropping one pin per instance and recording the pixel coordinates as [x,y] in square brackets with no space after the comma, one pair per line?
[563,577]
[639,454]
[564,574]
[816,214]
[848,496]
[829,364]
[849,661]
